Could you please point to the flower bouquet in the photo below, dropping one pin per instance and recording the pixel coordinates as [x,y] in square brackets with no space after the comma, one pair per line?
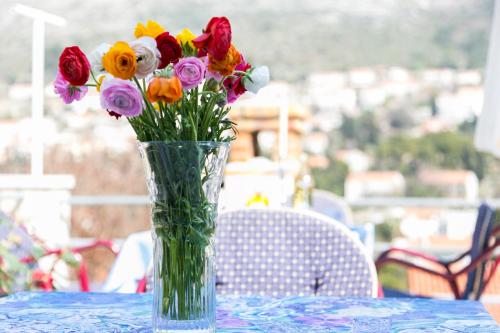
[176,93]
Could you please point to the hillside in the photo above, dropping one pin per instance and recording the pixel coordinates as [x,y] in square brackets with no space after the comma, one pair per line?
[294,37]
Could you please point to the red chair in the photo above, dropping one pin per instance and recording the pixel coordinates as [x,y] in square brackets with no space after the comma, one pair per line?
[142,285]
[46,280]
[484,244]
[22,250]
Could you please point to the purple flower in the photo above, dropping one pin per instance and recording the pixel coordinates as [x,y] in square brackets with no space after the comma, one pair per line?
[190,71]
[121,97]
[66,91]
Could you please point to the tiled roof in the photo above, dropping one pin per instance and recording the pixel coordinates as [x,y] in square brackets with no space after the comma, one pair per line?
[374,175]
[441,177]
[344,153]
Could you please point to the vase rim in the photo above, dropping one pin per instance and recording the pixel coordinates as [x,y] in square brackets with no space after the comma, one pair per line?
[203,143]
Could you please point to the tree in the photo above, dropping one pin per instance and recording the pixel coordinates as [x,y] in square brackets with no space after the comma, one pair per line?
[332,178]
[433,104]
[400,119]
[397,153]
[445,150]
[348,127]
[360,131]
[468,126]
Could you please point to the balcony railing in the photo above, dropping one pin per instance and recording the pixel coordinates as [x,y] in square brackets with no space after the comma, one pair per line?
[379,203]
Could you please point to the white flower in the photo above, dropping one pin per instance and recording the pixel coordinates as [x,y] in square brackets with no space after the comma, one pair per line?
[259,78]
[95,57]
[148,56]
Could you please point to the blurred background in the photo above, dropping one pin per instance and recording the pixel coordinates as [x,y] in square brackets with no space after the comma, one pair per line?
[375,102]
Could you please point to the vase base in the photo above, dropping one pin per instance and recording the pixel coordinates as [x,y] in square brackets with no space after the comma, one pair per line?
[185,326]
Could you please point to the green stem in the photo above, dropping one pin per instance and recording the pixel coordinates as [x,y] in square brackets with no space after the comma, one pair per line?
[183,222]
[93,77]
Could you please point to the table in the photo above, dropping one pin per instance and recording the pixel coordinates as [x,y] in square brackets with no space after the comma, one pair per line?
[111,312]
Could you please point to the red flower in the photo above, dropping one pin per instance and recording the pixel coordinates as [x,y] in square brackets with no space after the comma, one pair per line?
[74,66]
[242,67]
[216,38]
[169,48]
[234,86]
[42,280]
[114,114]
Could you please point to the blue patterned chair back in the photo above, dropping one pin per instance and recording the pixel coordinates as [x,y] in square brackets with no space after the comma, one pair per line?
[21,244]
[283,252]
[331,205]
[480,239]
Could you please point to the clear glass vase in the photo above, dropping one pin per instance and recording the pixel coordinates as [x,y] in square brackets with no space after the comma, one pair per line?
[184,180]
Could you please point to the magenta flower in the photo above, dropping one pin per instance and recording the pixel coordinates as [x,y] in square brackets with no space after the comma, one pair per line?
[231,96]
[234,85]
[190,71]
[66,91]
[121,97]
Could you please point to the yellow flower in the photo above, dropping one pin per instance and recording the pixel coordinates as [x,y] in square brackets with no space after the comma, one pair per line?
[225,66]
[120,61]
[152,29]
[258,200]
[99,82]
[186,37]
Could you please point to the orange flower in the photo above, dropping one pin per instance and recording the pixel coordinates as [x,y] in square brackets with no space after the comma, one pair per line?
[225,66]
[120,61]
[167,90]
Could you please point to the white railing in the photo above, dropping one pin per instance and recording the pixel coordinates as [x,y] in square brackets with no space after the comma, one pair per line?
[388,202]
[108,200]
[381,202]
[357,204]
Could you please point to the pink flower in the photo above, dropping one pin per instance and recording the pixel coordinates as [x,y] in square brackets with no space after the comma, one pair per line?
[190,71]
[121,97]
[66,91]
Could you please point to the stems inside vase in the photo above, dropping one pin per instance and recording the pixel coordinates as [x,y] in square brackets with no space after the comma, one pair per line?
[184,180]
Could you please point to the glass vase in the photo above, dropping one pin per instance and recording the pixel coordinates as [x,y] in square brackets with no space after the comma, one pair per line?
[184,179]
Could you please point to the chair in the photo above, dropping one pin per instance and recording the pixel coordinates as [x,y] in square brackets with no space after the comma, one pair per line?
[329,204]
[280,252]
[135,259]
[479,254]
[26,243]
[83,277]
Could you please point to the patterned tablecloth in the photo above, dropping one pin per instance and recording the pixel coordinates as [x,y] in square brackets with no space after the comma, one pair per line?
[106,312]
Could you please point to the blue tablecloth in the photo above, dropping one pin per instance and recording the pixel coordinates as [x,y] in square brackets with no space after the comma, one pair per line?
[107,312]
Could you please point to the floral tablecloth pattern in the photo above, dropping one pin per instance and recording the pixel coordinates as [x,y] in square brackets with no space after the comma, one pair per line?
[108,312]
